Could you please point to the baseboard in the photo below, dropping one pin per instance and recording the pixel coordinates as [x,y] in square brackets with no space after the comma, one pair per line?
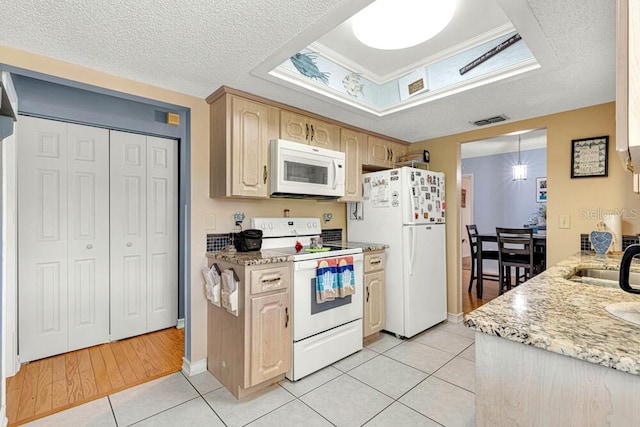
[192,368]
[3,417]
[180,324]
[455,318]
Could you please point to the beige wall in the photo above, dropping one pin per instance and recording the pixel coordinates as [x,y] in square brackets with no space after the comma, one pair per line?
[201,204]
[584,199]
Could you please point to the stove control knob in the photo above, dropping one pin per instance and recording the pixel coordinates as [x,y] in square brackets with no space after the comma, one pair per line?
[315,224]
[309,224]
[263,226]
[270,226]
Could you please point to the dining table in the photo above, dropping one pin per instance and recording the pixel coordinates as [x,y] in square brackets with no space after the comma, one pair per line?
[539,243]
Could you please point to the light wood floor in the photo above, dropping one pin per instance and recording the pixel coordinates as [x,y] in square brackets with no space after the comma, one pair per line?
[56,383]
[469,299]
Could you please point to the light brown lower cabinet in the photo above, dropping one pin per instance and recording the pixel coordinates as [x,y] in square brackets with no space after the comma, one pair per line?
[374,293]
[252,350]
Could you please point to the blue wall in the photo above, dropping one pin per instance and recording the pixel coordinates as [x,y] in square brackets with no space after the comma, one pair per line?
[498,201]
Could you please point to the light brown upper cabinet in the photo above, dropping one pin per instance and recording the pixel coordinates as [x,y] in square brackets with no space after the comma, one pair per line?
[628,81]
[384,153]
[240,133]
[354,145]
[300,128]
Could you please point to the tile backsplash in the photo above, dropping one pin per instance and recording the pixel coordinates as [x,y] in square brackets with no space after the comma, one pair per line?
[217,242]
[585,244]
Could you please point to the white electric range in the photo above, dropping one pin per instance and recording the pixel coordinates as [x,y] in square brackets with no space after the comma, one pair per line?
[322,333]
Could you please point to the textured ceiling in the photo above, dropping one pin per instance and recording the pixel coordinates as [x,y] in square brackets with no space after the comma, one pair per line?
[195,46]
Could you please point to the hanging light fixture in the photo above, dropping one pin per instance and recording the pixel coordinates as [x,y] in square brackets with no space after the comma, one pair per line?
[519,170]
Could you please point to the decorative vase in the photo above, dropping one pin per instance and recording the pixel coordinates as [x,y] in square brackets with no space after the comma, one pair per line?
[601,241]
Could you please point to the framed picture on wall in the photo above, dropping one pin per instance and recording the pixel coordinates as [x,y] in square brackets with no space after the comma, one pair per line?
[541,189]
[589,157]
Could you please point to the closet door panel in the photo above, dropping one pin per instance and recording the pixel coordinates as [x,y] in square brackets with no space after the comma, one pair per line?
[162,233]
[42,234]
[128,245]
[88,236]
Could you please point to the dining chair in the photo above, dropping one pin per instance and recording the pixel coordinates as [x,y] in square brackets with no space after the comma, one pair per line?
[516,249]
[472,232]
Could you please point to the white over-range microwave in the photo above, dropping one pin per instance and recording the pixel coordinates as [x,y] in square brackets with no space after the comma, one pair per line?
[304,171]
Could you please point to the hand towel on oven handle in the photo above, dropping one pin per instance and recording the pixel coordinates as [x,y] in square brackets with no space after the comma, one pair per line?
[346,277]
[334,279]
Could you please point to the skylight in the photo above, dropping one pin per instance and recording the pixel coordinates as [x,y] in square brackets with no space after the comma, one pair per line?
[399,24]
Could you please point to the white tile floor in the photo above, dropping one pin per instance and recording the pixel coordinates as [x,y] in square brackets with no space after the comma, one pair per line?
[428,380]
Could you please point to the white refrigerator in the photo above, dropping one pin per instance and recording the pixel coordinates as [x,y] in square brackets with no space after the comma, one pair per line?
[405,209]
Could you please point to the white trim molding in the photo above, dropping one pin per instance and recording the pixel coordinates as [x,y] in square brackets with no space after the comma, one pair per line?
[455,318]
[192,368]
[180,324]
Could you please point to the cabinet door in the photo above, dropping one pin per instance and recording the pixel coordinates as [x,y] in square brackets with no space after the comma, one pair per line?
[294,127]
[270,336]
[396,151]
[353,144]
[250,133]
[324,135]
[374,307]
[379,152]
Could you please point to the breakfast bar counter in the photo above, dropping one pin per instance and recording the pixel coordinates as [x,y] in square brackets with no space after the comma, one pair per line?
[549,353]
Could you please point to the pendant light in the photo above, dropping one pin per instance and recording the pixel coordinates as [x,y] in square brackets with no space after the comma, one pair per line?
[519,170]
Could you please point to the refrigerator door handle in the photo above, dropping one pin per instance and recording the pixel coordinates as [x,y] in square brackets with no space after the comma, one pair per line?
[413,249]
[413,207]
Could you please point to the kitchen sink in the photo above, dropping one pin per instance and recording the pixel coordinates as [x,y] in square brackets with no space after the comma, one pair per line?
[605,278]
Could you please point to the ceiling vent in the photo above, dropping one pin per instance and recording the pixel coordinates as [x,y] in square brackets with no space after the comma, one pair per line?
[491,120]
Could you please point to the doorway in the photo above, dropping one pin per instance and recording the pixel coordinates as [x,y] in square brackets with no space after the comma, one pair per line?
[496,198]
[97,234]
[466,216]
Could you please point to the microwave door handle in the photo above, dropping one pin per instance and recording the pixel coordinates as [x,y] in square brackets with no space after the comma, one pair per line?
[335,173]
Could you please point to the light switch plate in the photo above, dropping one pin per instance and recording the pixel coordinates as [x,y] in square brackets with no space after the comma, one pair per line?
[210,221]
[564,221]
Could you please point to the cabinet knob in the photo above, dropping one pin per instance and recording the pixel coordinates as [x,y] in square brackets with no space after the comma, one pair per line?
[89,246]
[129,244]
[264,174]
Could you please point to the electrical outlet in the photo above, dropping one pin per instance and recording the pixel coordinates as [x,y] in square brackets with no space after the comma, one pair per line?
[564,221]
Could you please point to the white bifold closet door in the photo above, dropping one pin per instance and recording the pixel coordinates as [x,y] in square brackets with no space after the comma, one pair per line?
[63,237]
[97,236]
[144,234]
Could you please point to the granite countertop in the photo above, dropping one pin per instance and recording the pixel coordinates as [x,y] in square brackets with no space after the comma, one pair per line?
[270,256]
[565,317]
[266,256]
